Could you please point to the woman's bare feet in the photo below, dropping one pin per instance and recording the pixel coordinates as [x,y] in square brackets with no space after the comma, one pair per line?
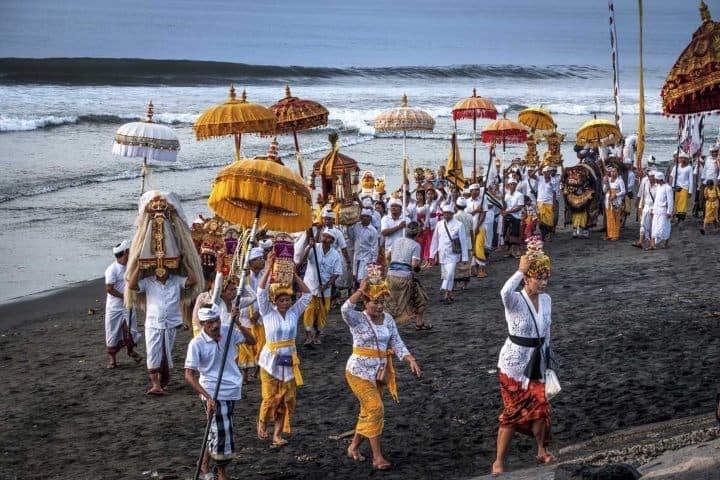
[262,430]
[497,468]
[355,454]
[381,463]
[155,390]
[545,457]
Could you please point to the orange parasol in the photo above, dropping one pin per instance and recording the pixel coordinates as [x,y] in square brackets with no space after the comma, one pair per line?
[235,117]
[295,114]
[474,107]
[693,83]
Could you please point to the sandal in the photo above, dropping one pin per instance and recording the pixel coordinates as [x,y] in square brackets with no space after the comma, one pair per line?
[382,466]
[547,458]
[357,456]
[424,326]
[278,443]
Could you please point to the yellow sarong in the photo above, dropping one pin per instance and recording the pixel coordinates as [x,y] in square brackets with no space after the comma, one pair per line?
[371,418]
[613,220]
[546,213]
[246,356]
[315,315]
[479,252]
[681,201]
[274,346]
[579,219]
[278,400]
[711,205]
[387,354]
[258,331]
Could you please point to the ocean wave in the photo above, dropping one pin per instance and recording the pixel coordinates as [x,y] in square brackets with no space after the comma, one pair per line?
[83,180]
[22,124]
[133,71]
[14,124]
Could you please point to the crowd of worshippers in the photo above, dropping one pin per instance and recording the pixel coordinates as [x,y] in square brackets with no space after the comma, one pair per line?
[390,244]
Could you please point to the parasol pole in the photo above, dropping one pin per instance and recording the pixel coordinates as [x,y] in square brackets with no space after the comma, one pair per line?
[298,154]
[143,171]
[238,142]
[402,179]
[474,143]
[681,125]
[226,347]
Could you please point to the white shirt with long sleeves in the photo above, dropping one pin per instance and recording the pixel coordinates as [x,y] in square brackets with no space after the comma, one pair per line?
[619,186]
[514,358]
[362,328]
[684,177]
[365,247]
[278,329]
[163,301]
[664,200]
[513,200]
[389,222]
[330,264]
[646,194]
[442,243]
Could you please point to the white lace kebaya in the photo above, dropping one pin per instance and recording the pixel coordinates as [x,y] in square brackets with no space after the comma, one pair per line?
[514,358]
[387,336]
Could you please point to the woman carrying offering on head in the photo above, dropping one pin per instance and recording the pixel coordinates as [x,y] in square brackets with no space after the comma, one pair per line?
[369,369]
[521,368]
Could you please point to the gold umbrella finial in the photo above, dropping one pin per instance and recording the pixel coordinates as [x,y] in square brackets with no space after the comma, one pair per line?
[232,92]
[333,138]
[404,103]
[243,97]
[704,12]
[474,92]
[149,112]
[287,91]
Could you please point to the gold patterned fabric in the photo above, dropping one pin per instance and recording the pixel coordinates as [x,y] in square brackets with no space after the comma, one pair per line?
[371,419]
[692,85]
[234,117]
[278,400]
[295,114]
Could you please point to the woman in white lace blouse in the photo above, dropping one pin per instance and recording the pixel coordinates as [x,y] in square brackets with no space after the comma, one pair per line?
[525,407]
[375,339]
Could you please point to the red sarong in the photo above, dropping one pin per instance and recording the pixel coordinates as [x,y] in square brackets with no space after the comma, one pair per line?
[523,407]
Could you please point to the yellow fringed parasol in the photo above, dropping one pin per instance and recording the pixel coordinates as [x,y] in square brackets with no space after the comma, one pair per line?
[295,114]
[261,189]
[235,117]
[693,83]
[537,118]
[598,133]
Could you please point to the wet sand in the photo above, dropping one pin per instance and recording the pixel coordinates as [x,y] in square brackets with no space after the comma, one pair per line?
[635,332]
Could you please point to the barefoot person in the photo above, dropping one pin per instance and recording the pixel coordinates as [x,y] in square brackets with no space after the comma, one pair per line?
[407,299]
[375,339]
[204,356]
[526,410]
[162,319]
[279,363]
[449,245]
[662,213]
[119,329]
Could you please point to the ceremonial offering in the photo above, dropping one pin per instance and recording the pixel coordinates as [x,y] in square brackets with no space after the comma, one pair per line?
[376,283]
[284,267]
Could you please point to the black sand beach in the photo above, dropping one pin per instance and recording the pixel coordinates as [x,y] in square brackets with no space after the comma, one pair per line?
[638,334]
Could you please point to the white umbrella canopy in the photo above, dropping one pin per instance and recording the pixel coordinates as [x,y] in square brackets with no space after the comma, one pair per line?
[146,140]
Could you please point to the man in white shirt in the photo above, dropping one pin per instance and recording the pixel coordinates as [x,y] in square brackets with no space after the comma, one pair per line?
[325,259]
[646,198]
[119,329]
[365,239]
[662,213]
[367,202]
[463,269]
[162,319]
[447,232]
[546,198]
[512,213]
[392,225]
[204,356]
[682,182]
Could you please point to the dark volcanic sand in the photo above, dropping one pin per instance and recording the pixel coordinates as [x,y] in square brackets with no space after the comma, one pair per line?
[633,330]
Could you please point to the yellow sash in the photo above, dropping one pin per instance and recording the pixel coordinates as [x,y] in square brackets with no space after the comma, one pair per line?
[374,353]
[274,346]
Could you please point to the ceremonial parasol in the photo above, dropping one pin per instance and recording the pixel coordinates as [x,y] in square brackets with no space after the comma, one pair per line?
[693,83]
[147,140]
[295,114]
[537,118]
[235,117]
[251,191]
[598,133]
[454,171]
[474,107]
[404,119]
[502,131]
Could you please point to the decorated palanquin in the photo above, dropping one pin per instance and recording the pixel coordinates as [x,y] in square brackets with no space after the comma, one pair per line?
[215,237]
[552,156]
[582,190]
[283,272]
[339,176]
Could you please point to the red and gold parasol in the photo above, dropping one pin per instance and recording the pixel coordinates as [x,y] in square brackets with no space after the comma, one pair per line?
[504,131]
[235,117]
[693,83]
[474,107]
[295,114]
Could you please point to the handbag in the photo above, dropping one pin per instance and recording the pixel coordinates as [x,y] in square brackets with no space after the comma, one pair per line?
[382,377]
[552,382]
[456,245]
[284,361]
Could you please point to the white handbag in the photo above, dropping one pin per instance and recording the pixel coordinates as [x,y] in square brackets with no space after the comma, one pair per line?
[552,384]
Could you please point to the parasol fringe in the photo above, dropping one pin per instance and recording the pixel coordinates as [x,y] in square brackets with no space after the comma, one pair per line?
[212,130]
[475,113]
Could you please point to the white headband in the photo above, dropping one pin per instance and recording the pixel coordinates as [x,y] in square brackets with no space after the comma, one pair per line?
[208,313]
[124,245]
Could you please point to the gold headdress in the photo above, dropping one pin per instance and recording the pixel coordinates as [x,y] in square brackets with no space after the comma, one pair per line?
[540,266]
[376,284]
